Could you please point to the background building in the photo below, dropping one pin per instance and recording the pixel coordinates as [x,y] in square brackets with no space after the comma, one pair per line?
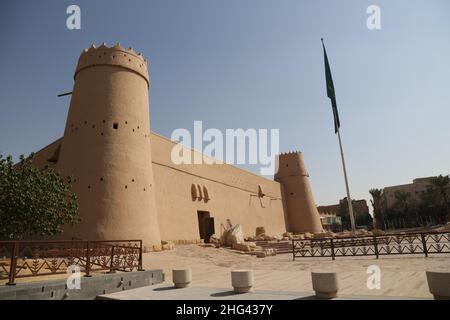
[415,189]
[329,218]
[417,204]
[335,217]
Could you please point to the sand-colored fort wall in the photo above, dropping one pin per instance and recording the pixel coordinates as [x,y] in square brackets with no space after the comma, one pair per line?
[129,187]
[48,156]
[232,192]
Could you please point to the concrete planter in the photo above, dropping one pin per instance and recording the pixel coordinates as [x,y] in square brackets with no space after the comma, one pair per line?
[439,284]
[242,280]
[181,277]
[90,287]
[325,284]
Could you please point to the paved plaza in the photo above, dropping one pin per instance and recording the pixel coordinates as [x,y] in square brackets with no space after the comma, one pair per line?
[401,276]
[168,292]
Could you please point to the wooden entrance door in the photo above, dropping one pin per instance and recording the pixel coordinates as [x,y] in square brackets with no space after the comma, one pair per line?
[205,225]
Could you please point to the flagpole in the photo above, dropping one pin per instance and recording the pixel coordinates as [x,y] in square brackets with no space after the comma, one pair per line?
[349,199]
[332,95]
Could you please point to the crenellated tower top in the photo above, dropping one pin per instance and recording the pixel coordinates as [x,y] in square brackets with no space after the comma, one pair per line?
[291,164]
[115,56]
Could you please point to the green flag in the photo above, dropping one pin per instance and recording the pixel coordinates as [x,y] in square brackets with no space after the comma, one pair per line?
[330,90]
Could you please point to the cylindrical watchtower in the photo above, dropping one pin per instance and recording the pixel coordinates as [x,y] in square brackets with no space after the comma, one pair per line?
[302,214]
[106,147]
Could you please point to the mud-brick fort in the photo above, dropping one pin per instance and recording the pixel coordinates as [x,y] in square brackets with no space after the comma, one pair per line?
[127,185]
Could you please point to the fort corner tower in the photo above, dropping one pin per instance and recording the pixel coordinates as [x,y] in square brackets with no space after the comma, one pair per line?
[302,215]
[106,147]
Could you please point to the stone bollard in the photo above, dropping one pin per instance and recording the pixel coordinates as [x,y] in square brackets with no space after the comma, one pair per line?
[325,284]
[439,284]
[181,277]
[242,280]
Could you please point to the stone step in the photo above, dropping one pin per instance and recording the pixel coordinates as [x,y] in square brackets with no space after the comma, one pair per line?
[280,246]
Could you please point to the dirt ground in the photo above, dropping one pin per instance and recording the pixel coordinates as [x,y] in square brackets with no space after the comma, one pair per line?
[400,275]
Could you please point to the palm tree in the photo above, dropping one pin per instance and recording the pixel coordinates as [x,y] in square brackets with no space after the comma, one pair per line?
[402,199]
[377,210]
[441,184]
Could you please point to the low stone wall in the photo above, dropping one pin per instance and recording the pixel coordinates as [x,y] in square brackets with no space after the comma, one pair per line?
[91,287]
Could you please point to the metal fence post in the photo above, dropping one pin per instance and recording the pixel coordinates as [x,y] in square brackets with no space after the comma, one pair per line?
[140,257]
[332,249]
[424,244]
[12,267]
[71,253]
[375,244]
[293,250]
[111,262]
[88,261]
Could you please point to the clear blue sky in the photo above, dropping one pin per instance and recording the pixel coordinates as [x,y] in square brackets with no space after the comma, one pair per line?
[252,64]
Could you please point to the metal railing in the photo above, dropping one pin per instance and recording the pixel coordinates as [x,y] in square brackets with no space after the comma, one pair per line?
[20,259]
[392,244]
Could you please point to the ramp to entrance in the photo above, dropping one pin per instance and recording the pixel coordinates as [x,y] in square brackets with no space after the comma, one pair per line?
[280,246]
